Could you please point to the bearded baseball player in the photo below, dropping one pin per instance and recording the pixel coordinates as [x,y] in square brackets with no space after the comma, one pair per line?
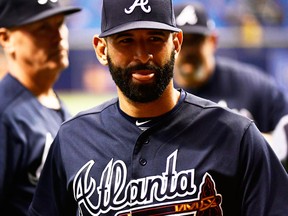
[155,150]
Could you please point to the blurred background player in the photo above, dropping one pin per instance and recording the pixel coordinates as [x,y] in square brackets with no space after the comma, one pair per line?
[239,86]
[34,38]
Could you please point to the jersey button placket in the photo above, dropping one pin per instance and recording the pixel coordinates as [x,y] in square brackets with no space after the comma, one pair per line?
[139,158]
[143,161]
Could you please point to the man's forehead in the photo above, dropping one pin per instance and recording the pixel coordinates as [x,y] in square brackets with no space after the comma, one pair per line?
[54,19]
[194,36]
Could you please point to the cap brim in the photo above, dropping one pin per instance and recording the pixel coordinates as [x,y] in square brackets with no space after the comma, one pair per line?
[139,25]
[53,11]
[196,30]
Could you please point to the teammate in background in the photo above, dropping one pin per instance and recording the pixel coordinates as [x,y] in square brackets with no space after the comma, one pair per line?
[155,150]
[239,86]
[34,40]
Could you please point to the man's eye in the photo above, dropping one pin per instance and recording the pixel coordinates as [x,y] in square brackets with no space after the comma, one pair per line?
[156,39]
[126,40]
[41,28]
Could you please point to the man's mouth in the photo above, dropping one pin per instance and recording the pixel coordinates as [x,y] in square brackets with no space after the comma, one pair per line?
[143,75]
[188,71]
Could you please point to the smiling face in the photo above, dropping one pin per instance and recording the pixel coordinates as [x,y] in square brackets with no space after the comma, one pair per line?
[142,82]
[195,63]
[141,62]
[40,46]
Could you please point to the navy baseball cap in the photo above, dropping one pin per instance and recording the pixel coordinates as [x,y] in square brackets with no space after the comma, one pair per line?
[193,18]
[124,15]
[14,13]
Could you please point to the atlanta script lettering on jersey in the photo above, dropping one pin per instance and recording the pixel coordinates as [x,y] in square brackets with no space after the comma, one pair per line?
[114,193]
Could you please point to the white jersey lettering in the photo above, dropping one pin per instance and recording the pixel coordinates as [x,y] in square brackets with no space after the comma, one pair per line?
[33,178]
[114,193]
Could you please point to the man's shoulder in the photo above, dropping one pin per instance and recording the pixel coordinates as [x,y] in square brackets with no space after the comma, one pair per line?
[243,73]
[106,108]
[10,89]
[199,101]
[241,68]
[214,111]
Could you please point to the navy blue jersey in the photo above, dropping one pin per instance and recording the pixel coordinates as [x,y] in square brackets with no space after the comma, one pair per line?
[198,159]
[27,130]
[247,90]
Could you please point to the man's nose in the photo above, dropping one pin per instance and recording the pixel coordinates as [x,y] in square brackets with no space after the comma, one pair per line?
[142,54]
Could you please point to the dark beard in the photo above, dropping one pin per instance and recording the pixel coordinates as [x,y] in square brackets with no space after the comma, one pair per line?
[142,93]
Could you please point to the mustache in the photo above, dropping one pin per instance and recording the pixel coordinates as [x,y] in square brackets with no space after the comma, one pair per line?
[194,59]
[142,67]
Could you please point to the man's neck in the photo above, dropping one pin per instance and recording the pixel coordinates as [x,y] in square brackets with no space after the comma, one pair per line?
[162,105]
[40,87]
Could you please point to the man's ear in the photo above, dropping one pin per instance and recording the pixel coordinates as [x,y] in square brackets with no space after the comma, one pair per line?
[177,40]
[5,40]
[214,39]
[100,47]
[4,37]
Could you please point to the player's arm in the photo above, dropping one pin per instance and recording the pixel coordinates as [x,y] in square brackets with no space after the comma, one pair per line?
[277,139]
[277,111]
[265,181]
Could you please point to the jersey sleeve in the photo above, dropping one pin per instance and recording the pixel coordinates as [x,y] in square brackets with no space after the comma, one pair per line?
[264,179]
[52,197]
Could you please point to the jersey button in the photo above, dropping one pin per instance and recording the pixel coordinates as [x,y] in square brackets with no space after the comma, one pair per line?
[142,161]
[146,141]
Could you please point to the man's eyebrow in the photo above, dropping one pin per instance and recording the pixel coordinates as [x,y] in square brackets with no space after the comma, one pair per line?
[158,32]
[123,34]
[150,32]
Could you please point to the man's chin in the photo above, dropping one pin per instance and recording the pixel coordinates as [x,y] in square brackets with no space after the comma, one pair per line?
[58,65]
